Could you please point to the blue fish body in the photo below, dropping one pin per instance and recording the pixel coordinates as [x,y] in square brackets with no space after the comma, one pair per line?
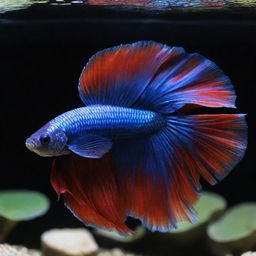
[89,131]
[108,121]
[134,149]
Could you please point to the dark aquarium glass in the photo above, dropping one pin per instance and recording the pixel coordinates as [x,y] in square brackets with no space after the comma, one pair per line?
[44,46]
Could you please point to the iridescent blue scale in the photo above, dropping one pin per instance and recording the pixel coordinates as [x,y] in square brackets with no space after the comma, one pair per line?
[111,121]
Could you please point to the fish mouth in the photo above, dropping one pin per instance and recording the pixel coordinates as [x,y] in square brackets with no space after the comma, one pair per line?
[30,144]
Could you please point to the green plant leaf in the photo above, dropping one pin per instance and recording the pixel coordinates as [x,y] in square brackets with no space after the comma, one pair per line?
[237,223]
[206,206]
[19,205]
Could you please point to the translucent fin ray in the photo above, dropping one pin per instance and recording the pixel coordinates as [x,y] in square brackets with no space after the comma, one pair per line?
[90,145]
[192,79]
[118,75]
[160,176]
[153,76]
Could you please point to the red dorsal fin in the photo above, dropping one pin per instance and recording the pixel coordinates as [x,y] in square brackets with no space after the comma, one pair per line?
[118,75]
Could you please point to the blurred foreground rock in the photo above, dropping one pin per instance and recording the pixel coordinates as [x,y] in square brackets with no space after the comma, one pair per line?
[68,242]
[63,242]
[12,250]
[74,242]
[249,254]
[114,252]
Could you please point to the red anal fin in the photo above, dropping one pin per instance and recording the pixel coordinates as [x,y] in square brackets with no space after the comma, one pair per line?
[90,191]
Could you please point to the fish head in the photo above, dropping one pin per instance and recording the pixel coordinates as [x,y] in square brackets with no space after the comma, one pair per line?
[48,141]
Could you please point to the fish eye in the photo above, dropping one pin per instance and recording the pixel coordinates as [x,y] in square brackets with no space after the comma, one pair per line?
[45,139]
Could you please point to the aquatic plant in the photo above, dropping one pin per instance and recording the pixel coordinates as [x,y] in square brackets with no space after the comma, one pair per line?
[188,235]
[208,204]
[19,205]
[208,207]
[235,231]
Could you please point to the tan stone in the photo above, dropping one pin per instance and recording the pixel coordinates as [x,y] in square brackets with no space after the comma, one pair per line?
[12,250]
[68,242]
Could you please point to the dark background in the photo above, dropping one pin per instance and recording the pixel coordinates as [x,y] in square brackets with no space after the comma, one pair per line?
[43,53]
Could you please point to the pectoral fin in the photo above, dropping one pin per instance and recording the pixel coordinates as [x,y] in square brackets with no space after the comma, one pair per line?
[90,146]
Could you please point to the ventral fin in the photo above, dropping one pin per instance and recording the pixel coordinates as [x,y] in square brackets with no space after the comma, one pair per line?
[90,146]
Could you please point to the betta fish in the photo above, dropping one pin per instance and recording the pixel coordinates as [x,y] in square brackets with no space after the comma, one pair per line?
[135,148]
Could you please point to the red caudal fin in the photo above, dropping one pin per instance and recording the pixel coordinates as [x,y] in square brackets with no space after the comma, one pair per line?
[90,191]
[161,174]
